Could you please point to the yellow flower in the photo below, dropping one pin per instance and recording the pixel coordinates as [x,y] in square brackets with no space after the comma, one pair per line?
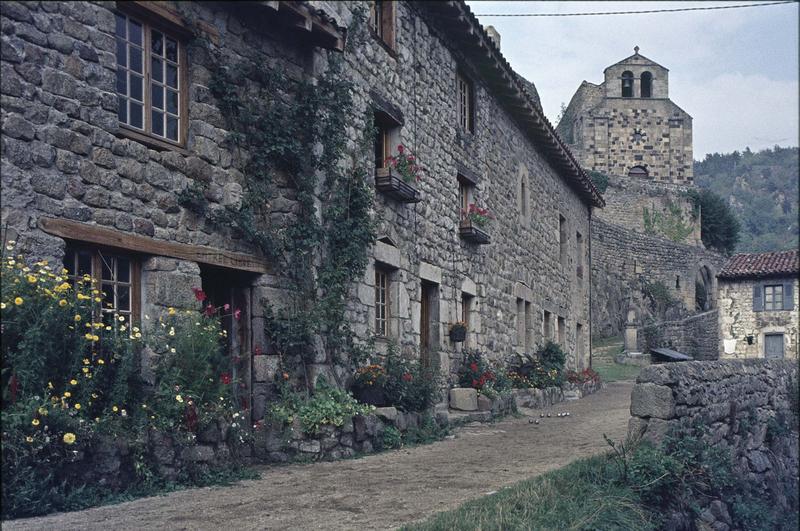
[67,394]
[135,328]
[97,299]
[42,411]
[18,301]
[179,398]
[82,297]
[88,336]
[73,382]
[85,369]
[77,318]
[114,409]
[35,422]
[69,438]
[101,361]
[86,361]
[2,306]
[62,302]
[108,328]
[121,317]
[171,311]
[77,406]
[29,439]
[97,419]
[138,335]
[49,385]
[32,279]
[171,331]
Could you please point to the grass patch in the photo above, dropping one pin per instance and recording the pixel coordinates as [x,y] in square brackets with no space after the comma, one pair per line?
[603,352]
[582,495]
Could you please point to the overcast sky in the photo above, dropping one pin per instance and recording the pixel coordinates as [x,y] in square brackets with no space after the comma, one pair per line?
[735,71]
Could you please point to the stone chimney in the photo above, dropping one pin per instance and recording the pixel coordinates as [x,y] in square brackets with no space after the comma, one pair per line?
[494,35]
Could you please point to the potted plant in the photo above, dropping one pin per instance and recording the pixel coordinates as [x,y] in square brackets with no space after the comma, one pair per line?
[369,385]
[397,178]
[473,221]
[458,332]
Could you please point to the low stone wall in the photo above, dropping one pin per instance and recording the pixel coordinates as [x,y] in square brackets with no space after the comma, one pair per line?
[549,396]
[697,336]
[748,406]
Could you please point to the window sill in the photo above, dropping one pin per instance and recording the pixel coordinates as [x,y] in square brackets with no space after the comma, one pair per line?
[385,45]
[149,141]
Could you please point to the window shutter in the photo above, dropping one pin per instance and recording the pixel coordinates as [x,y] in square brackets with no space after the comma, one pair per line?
[788,296]
[758,298]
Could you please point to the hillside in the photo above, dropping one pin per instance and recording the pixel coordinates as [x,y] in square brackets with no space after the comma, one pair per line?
[762,188]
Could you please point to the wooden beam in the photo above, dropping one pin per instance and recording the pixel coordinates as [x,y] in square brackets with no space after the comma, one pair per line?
[75,230]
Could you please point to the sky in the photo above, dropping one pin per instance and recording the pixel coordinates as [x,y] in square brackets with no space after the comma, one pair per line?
[735,71]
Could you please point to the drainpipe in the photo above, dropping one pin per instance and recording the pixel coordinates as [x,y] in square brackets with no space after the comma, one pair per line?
[590,285]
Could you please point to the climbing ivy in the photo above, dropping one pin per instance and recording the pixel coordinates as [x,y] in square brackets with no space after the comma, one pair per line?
[669,222]
[291,140]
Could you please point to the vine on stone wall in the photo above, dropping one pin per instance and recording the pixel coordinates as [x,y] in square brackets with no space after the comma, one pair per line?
[291,138]
[669,222]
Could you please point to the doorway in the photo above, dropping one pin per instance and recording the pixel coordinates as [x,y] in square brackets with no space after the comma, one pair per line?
[429,325]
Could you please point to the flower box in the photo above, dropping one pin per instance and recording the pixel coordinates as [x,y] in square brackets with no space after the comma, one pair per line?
[371,394]
[458,333]
[473,234]
[389,182]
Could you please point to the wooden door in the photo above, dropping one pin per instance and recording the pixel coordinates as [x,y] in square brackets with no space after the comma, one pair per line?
[773,346]
[425,325]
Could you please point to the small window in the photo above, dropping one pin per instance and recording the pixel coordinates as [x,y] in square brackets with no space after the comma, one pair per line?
[382,21]
[382,312]
[547,325]
[466,196]
[115,275]
[466,102]
[647,84]
[150,80]
[387,133]
[579,255]
[562,332]
[521,335]
[523,198]
[627,84]
[562,240]
[677,282]
[773,297]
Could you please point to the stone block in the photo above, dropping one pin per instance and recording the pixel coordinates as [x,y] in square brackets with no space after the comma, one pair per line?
[387,413]
[198,453]
[309,447]
[484,403]
[463,399]
[651,400]
[264,367]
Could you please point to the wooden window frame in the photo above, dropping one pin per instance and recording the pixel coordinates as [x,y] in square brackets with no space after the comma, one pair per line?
[383,16]
[154,18]
[465,102]
[134,283]
[466,196]
[382,300]
[773,290]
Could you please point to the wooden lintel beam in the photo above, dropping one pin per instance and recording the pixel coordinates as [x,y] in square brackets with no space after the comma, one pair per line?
[85,232]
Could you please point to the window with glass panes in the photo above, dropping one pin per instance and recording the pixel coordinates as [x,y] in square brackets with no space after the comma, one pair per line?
[773,297]
[115,275]
[381,302]
[149,85]
[465,102]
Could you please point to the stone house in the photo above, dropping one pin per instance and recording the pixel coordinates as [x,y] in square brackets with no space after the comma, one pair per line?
[758,305]
[108,120]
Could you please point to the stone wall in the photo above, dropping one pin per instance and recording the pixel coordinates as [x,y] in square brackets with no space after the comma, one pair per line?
[738,319]
[695,336]
[631,202]
[623,261]
[65,155]
[748,406]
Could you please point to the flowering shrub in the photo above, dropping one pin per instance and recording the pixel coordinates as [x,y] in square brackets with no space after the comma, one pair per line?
[586,375]
[71,377]
[410,386]
[544,369]
[370,376]
[405,162]
[476,215]
[475,372]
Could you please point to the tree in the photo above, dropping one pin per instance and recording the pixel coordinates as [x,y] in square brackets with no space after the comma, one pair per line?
[720,228]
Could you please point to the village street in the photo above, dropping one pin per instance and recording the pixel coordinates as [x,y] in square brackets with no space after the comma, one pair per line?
[379,491]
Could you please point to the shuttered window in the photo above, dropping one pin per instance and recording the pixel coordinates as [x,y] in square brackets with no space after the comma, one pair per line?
[773,297]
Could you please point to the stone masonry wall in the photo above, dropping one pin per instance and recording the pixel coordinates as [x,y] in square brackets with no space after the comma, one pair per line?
[64,155]
[748,406]
[738,319]
[696,336]
[623,259]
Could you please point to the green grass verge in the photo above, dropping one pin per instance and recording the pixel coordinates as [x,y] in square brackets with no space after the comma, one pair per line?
[603,352]
[581,495]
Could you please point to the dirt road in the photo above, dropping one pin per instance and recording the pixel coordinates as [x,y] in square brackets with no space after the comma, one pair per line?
[380,491]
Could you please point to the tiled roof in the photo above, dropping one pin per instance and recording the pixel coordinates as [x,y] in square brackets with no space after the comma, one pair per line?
[780,263]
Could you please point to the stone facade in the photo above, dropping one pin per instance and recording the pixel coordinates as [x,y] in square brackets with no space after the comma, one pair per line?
[624,261]
[65,157]
[747,406]
[744,326]
[614,133]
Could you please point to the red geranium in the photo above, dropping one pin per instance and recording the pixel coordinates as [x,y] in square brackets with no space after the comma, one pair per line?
[407,377]
[199,294]
[225,378]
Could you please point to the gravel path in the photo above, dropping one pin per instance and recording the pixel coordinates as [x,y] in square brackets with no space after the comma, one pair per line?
[379,491]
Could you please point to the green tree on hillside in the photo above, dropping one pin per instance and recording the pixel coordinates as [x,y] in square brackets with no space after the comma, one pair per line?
[720,228]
